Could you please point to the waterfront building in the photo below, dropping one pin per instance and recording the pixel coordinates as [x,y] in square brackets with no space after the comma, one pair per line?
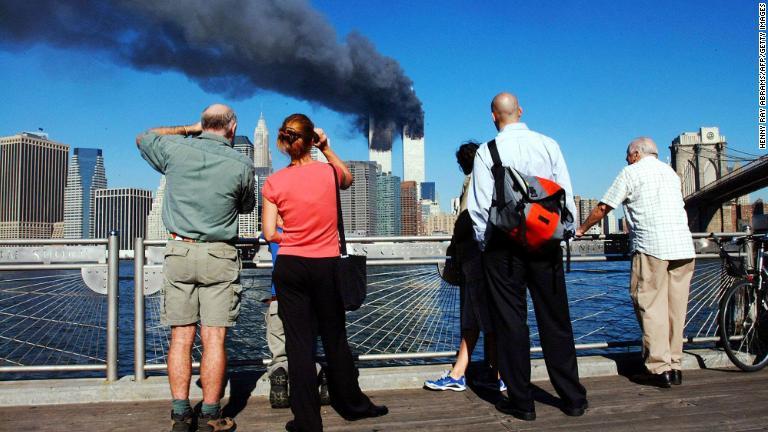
[440,224]
[610,223]
[261,155]
[124,210]
[155,227]
[33,175]
[387,204]
[409,208]
[455,205]
[247,224]
[413,159]
[428,191]
[85,176]
[358,202]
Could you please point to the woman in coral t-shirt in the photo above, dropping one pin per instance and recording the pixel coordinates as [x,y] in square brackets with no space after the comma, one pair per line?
[304,195]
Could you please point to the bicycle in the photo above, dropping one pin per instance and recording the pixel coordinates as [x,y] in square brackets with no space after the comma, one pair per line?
[743,311]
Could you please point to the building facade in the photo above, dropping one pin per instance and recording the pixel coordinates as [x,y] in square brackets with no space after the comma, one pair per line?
[380,146]
[33,175]
[409,209]
[358,202]
[248,223]
[85,176]
[387,205]
[428,191]
[413,159]
[124,210]
[261,154]
[155,227]
[439,224]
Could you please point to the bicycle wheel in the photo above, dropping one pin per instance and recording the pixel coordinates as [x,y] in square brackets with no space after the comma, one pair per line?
[744,327]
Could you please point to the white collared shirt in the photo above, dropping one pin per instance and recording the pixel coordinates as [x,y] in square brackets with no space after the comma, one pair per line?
[651,193]
[528,152]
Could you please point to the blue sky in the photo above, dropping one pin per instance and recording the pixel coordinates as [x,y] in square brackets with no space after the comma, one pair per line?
[592,75]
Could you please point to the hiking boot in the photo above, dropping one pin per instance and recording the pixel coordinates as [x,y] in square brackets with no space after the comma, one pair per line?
[322,378]
[215,423]
[181,422]
[278,389]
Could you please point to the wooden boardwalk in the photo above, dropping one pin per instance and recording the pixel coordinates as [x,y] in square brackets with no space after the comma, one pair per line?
[709,400]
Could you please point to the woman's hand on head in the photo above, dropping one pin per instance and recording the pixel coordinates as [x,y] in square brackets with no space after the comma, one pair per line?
[322,139]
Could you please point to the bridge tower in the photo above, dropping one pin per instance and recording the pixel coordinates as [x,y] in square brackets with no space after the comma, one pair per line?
[699,158]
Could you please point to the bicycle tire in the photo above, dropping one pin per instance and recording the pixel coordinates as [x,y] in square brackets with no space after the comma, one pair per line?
[743,327]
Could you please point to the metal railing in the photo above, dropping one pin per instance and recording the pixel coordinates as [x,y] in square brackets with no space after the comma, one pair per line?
[27,255]
[411,314]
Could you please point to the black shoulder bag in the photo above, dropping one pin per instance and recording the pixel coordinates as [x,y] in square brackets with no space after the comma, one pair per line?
[351,277]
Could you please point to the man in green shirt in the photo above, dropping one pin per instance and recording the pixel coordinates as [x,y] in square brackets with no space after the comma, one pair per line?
[208,184]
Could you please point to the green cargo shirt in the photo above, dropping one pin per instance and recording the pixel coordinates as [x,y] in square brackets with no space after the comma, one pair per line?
[208,183]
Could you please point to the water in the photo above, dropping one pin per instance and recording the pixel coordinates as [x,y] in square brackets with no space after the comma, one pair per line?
[52,318]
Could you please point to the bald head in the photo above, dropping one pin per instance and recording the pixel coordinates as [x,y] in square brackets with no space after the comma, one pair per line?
[219,119]
[505,109]
[641,147]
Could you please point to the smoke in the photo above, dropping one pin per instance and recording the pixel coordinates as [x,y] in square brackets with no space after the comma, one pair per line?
[230,47]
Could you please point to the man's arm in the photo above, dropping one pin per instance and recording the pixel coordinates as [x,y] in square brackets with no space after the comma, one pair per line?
[194,129]
[596,215]
[563,178]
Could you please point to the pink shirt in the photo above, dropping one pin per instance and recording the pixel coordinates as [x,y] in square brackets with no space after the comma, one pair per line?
[306,200]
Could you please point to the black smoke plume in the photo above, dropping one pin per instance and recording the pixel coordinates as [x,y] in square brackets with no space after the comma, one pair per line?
[231,47]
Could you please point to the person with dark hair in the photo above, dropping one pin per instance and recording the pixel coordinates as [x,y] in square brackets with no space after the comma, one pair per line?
[304,195]
[475,315]
[208,184]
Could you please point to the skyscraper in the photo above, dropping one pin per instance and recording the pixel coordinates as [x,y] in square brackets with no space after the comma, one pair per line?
[124,210]
[409,209]
[155,227]
[387,204]
[85,176]
[33,174]
[413,158]
[248,223]
[358,203]
[261,155]
[428,191]
[380,146]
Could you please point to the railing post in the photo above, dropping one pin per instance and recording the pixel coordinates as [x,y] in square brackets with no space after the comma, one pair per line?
[113,268]
[139,356]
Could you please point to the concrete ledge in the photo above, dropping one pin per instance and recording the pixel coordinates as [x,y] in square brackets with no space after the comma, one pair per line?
[90,390]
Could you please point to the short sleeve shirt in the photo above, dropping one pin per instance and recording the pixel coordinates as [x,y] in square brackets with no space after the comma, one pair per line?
[651,194]
[207,184]
[305,196]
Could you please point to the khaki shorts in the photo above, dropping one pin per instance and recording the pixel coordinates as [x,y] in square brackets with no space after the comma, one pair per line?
[202,283]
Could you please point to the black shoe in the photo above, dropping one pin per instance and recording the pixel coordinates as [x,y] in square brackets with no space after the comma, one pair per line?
[215,423]
[372,411]
[506,407]
[182,422]
[575,411]
[291,426]
[278,389]
[677,377]
[662,380]
[325,398]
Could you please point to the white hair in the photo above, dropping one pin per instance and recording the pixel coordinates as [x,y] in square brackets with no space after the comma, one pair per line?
[644,146]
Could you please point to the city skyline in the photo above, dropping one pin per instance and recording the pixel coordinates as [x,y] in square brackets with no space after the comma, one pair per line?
[593,104]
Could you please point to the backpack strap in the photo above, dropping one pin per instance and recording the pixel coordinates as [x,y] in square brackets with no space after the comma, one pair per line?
[498,173]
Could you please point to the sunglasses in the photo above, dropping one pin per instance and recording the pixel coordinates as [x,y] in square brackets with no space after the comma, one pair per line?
[290,135]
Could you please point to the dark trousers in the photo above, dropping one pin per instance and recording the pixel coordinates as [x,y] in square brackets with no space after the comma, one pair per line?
[310,304]
[509,269]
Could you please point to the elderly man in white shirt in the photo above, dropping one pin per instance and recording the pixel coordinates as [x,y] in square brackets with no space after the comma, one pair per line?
[511,268]
[662,259]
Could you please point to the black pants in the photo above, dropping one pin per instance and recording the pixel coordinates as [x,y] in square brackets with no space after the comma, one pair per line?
[509,269]
[310,304]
